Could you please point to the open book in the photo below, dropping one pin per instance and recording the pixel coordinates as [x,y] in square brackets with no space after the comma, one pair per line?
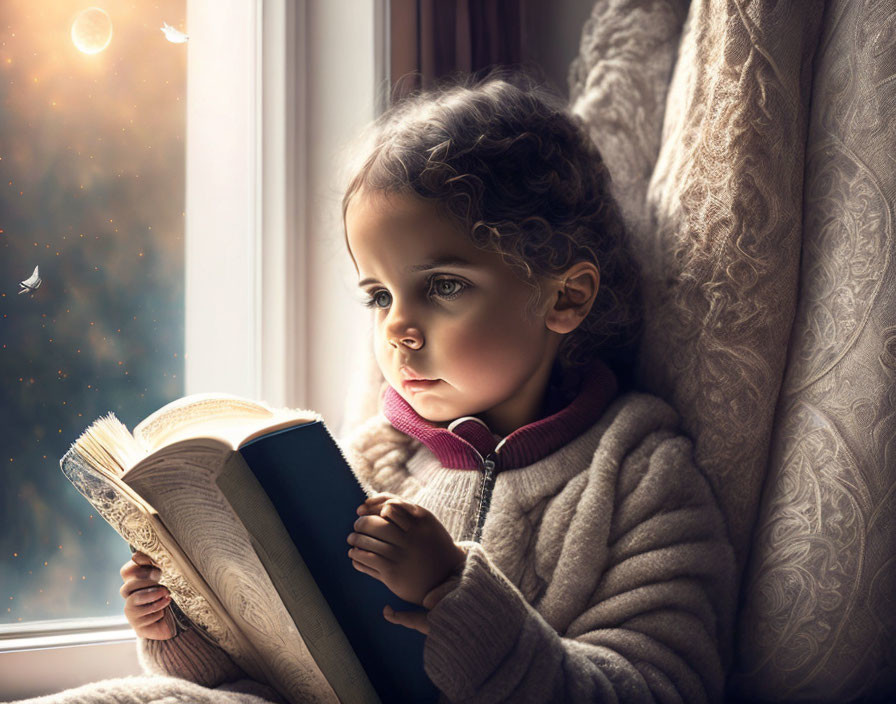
[246,509]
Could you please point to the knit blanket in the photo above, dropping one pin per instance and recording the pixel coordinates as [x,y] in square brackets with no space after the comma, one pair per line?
[155,689]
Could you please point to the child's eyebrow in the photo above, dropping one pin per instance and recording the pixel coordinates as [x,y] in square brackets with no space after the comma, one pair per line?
[428,266]
[441,261]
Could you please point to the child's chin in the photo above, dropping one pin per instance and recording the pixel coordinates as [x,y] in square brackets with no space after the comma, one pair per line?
[431,412]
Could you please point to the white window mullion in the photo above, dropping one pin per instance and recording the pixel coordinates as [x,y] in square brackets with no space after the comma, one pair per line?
[282,303]
[221,217]
[255,229]
[245,189]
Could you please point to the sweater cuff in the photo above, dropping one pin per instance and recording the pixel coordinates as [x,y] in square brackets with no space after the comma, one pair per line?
[473,627]
[188,656]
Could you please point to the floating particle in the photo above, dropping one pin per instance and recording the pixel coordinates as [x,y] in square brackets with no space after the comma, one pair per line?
[32,283]
[173,35]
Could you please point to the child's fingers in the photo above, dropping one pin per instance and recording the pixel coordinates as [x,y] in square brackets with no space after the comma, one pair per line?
[133,584]
[412,509]
[381,529]
[373,503]
[141,558]
[131,570]
[369,559]
[137,582]
[149,619]
[374,545]
[401,513]
[366,569]
[150,595]
[142,613]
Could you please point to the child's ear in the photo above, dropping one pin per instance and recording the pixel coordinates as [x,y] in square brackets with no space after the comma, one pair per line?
[573,294]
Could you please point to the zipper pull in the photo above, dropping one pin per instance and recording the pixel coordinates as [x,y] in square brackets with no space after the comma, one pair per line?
[485,494]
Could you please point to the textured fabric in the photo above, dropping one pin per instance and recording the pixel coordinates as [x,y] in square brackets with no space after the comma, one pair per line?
[467,441]
[604,571]
[189,657]
[751,147]
[709,178]
[820,619]
[160,690]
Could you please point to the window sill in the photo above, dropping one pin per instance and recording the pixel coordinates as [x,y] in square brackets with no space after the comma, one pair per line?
[47,657]
[36,635]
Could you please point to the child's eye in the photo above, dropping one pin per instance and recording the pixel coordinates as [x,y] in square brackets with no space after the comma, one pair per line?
[379,299]
[446,288]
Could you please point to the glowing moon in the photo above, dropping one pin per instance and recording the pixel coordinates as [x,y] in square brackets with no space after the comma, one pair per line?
[92,30]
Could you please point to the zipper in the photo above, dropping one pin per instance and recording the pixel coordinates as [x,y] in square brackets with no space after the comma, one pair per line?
[485,493]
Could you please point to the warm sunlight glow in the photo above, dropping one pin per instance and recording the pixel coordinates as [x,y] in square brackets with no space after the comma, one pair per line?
[92,30]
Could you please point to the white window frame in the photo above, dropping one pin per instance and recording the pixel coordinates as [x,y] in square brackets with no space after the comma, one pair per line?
[276,89]
[242,131]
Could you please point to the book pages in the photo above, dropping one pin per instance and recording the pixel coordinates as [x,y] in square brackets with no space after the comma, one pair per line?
[180,480]
[192,412]
[108,445]
[179,490]
[230,418]
[137,522]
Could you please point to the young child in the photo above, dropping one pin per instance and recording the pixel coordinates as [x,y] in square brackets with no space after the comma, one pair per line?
[555,530]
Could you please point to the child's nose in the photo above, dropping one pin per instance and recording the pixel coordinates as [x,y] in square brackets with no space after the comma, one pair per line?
[400,329]
[410,337]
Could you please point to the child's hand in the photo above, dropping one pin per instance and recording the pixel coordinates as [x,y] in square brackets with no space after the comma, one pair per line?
[145,600]
[404,546]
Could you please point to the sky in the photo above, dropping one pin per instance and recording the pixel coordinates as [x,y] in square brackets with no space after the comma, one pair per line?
[92,179]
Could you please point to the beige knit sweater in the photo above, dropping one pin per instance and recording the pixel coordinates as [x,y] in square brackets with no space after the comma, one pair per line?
[604,572]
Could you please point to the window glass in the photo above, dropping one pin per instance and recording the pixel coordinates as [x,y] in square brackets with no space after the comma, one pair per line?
[92,169]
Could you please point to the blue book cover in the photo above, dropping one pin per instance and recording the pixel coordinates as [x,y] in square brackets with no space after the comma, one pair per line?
[316,495]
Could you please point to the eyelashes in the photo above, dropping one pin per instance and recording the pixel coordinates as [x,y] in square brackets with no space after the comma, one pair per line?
[371,301]
[445,288]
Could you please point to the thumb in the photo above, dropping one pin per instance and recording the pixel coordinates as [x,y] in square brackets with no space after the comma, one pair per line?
[142,558]
[415,620]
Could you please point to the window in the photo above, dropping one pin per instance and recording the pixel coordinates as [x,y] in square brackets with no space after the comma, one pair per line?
[266,310]
[92,161]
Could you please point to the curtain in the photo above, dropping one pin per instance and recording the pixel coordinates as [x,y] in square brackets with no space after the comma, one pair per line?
[752,150]
[434,38]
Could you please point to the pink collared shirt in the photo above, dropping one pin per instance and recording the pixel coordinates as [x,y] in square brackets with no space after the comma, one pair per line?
[467,441]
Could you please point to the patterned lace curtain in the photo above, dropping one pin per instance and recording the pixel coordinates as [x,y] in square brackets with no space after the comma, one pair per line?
[752,148]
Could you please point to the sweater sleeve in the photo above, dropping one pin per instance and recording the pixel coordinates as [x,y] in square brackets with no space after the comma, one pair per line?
[190,656]
[656,628]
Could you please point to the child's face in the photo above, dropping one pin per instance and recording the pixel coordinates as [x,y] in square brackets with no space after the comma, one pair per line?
[449,313]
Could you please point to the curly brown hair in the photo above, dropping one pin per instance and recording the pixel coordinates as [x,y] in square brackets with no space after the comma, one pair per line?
[503,156]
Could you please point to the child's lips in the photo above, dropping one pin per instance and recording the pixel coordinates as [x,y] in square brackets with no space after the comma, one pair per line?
[417,385]
[412,375]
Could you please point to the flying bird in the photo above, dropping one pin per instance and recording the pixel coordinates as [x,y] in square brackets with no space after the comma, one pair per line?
[31,284]
[175,36]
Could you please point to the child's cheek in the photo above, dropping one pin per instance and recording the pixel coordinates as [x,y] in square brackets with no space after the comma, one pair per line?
[387,361]
[486,356]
